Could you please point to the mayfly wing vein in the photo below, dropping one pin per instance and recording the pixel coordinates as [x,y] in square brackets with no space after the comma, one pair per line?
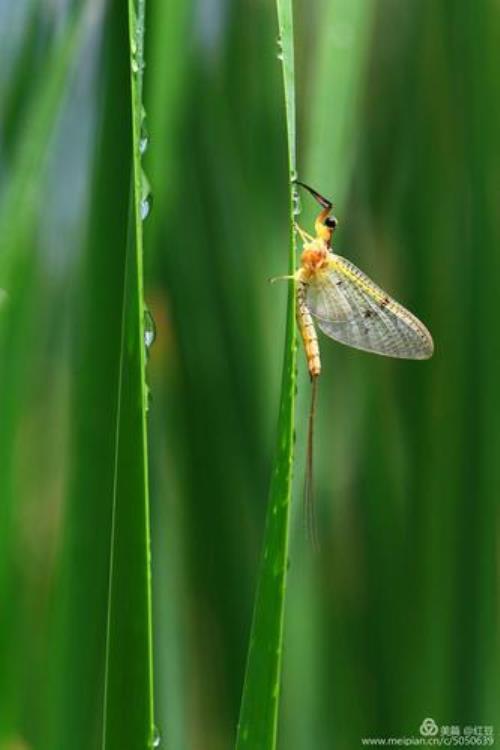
[350,308]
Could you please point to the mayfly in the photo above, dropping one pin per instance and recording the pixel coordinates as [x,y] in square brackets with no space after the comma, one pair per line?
[350,308]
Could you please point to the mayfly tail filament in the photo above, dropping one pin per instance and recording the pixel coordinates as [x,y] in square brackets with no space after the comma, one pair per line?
[309,509]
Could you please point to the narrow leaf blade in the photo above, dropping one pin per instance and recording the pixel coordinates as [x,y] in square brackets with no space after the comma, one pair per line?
[129,672]
[260,701]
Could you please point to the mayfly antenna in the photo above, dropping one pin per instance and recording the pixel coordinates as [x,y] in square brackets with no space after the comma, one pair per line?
[320,198]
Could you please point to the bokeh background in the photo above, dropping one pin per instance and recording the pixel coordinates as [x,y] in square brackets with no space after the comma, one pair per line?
[396,619]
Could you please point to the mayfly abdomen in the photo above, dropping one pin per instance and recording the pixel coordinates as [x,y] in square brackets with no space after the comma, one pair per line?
[308,332]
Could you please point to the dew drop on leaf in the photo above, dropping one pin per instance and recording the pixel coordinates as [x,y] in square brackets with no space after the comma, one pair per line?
[149,328]
[145,207]
[155,738]
[146,197]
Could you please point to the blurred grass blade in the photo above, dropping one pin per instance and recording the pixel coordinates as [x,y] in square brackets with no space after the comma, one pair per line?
[129,674]
[338,67]
[23,195]
[166,89]
[77,650]
[258,721]
[334,121]
[23,160]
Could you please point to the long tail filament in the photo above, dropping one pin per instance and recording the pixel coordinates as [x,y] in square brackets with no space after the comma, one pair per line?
[309,509]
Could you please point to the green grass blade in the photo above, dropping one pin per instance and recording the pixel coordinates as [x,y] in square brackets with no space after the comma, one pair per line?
[129,673]
[166,88]
[258,722]
[77,650]
[339,67]
[332,123]
[24,159]
[23,195]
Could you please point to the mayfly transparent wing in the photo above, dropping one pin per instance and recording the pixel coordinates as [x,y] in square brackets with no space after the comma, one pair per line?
[350,308]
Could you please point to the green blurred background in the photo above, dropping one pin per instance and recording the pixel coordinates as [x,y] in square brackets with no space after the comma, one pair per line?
[398,121]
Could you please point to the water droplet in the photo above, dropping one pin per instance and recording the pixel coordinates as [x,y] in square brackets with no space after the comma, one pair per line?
[143,140]
[144,135]
[293,175]
[156,738]
[146,198]
[297,207]
[149,328]
[280,55]
[149,398]
[146,204]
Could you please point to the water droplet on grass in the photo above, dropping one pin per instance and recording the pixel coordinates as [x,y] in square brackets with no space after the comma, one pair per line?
[149,398]
[143,141]
[146,198]
[149,328]
[146,204]
[144,135]
[156,738]
[297,208]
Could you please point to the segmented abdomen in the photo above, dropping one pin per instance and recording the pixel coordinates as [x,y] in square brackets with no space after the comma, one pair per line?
[308,332]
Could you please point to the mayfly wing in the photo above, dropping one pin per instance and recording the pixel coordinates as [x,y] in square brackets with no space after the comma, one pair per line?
[350,308]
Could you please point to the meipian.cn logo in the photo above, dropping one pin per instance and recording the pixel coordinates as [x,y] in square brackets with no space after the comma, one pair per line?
[429,728]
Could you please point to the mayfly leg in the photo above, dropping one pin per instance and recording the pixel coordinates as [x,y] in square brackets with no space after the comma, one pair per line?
[304,236]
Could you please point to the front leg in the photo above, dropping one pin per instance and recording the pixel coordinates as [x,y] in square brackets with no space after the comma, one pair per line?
[304,236]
